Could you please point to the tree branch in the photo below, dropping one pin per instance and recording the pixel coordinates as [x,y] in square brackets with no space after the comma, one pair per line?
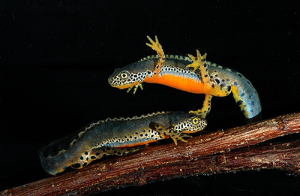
[219,152]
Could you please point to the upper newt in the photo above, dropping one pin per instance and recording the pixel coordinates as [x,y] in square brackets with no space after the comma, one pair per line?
[190,74]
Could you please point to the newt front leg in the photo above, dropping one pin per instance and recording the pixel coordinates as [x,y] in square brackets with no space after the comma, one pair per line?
[158,48]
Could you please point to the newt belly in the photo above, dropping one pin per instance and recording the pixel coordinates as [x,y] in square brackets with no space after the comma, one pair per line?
[176,71]
[116,137]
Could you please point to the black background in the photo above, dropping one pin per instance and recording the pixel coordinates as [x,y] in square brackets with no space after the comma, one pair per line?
[56,57]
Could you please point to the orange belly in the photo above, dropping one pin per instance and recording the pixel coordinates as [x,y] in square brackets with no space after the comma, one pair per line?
[187,84]
[181,83]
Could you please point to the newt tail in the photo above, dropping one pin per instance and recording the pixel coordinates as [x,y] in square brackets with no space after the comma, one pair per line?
[190,74]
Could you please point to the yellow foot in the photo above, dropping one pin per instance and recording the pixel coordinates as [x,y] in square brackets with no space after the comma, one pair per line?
[179,137]
[135,87]
[198,61]
[156,46]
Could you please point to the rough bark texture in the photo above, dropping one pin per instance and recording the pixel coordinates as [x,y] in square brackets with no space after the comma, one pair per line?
[219,152]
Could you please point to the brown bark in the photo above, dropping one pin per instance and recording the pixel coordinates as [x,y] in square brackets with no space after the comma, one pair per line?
[211,153]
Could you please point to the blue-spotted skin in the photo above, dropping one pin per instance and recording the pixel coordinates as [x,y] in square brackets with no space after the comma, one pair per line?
[115,137]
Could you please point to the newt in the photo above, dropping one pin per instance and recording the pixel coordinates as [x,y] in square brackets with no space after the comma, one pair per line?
[190,74]
[118,136]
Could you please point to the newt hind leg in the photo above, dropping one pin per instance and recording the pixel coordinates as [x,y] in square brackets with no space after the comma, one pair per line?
[213,85]
[205,109]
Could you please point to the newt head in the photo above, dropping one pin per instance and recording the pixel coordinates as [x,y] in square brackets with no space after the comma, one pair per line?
[192,125]
[132,74]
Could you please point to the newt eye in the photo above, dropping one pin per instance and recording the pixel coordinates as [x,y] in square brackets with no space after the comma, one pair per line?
[124,75]
[195,121]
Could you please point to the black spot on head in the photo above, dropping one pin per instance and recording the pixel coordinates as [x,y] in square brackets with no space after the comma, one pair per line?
[217,81]
[160,129]
[76,165]
[86,153]
[130,136]
[242,95]
[115,151]
[87,158]
[135,137]
[141,135]
[119,153]
[235,83]
[206,76]
[146,134]
[240,102]
[84,164]
[97,153]
[93,157]
[136,133]
[229,88]
[213,85]
[124,153]
[81,157]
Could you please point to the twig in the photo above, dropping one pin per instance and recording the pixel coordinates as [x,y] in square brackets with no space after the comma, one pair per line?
[211,153]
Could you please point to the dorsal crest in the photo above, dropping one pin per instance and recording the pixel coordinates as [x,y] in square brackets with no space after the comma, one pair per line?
[168,56]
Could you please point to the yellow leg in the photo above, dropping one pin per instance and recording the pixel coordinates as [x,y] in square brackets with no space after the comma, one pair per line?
[179,137]
[205,109]
[158,48]
[200,63]
[163,132]
[135,87]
